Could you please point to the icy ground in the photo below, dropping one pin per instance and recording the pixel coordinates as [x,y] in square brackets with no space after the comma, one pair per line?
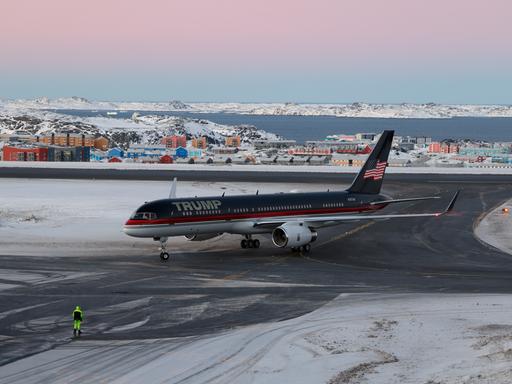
[356,338]
[495,228]
[85,217]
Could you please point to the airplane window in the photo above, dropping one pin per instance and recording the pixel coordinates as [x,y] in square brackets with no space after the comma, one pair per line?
[143,216]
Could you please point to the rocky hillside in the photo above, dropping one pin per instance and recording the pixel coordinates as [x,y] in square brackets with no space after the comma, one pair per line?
[122,132]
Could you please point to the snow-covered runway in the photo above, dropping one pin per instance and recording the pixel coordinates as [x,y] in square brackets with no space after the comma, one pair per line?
[375,338]
[219,314]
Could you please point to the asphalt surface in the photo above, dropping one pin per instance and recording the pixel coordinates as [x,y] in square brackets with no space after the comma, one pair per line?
[233,175]
[211,291]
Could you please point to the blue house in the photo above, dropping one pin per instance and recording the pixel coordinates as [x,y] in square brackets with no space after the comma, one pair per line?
[115,152]
[97,155]
[141,151]
[181,152]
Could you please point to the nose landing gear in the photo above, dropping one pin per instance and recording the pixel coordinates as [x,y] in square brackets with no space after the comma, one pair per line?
[164,255]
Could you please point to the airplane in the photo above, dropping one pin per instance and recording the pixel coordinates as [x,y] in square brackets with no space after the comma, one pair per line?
[292,219]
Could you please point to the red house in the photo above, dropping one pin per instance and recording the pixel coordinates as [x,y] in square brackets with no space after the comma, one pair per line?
[25,153]
[165,159]
[175,141]
[115,160]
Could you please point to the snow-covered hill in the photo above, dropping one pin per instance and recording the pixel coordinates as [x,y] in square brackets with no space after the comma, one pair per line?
[121,132]
[85,104]
[429,110]
[360,110]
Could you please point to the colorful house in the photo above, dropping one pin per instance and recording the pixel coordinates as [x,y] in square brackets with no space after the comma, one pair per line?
[166,159]
[97,155]
[24,153]
[194,152]
[181,153]
[115,152]
[101,143]
[175,141]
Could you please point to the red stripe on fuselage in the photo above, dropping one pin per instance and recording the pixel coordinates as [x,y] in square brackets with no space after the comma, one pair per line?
[250,215]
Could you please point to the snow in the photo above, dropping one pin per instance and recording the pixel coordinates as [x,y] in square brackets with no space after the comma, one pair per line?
[370,337]
[404,110]
[23,309]
[128,326]
[122,131]
[495,226]
[85,217]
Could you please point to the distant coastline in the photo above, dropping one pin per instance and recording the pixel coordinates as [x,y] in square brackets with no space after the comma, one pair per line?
[303,128]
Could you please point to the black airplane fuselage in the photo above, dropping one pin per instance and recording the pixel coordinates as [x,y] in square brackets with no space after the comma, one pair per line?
[201,215]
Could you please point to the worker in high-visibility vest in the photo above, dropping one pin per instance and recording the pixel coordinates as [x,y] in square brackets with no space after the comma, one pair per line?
[78,317]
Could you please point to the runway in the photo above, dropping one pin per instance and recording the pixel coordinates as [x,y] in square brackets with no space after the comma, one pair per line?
[138,297]
[238,175]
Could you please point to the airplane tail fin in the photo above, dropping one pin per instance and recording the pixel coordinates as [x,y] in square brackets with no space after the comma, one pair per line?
[369,178]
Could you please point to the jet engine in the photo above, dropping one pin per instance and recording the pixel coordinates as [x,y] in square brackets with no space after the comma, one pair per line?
[202,237]
[292,235]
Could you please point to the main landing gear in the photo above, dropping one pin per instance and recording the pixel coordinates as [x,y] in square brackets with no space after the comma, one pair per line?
[164,255]
[302,249]
[249,242]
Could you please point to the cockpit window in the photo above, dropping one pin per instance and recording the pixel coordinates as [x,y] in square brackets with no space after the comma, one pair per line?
[143,216]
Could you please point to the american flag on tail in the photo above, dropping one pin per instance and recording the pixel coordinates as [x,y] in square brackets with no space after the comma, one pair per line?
[375,170]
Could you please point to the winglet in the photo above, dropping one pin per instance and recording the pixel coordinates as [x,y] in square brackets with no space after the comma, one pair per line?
[452,202]
[172,193]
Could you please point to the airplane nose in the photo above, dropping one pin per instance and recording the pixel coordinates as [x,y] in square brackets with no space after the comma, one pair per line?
[128,228]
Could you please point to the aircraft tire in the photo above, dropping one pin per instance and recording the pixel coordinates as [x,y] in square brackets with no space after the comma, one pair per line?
[256,243]
[243,243]
[306,248]
[164,256]
[250,243]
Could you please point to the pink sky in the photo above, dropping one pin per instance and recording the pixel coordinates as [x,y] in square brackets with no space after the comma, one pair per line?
[159,33]
[402,50]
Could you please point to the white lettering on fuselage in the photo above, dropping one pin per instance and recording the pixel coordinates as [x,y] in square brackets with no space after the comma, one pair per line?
[197,205]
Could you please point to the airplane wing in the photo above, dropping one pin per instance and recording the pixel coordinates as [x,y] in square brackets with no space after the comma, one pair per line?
[335,219]
[404,200]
